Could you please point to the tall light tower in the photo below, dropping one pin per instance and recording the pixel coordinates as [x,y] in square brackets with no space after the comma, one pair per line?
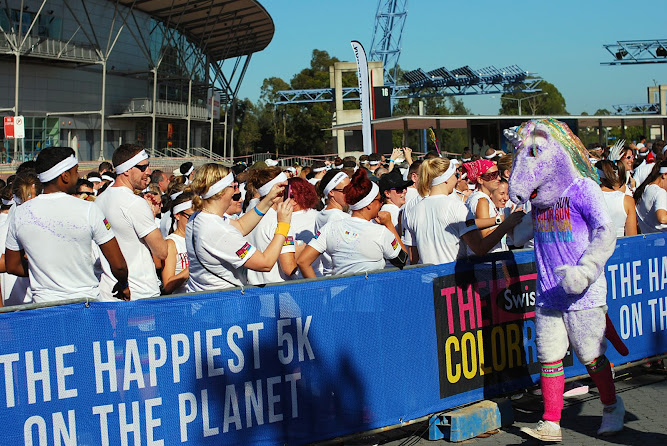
[387,35]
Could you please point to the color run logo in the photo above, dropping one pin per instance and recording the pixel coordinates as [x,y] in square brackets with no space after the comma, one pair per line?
[554,224]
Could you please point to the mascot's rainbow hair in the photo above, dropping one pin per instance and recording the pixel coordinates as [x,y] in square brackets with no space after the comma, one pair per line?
[560,132]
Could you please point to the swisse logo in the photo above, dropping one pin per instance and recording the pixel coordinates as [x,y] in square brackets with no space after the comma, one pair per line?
[518,298]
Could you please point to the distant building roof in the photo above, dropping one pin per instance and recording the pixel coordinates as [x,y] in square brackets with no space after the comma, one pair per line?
[221,28]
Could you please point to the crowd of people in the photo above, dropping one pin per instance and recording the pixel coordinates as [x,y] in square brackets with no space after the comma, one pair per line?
[127,232]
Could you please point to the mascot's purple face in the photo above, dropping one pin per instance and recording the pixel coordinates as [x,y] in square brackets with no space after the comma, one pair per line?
[543,163]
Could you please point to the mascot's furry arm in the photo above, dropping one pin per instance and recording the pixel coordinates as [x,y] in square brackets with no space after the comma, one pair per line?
[580,276]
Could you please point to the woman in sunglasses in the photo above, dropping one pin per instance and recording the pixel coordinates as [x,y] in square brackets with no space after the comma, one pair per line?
[260,183]
[486,176]
[356,244]
[627,161]
[175,270]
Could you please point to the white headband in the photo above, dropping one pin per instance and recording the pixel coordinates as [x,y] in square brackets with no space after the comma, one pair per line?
[181,207]
[95,179]
[187,174]
[8,202]
[107,177]
[264,190]
[339,166]
[127,165]
[320,169]
[373,163]
[664,149]
[663,170]
[291,169]
[175,195]
[601,174]
[490,157]
[451,170]
[17,200]
[368,199]
[217,187]
[465,160]
[335,181]
[55,171]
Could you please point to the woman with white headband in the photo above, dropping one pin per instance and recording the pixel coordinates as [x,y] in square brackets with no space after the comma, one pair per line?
[317,171]
[175,188]
[651,199]
[175,270]
[217,246]
[441,220]
[262,181]
[356,244]
[621,206]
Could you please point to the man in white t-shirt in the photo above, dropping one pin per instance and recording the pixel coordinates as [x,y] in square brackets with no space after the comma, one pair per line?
[56,232]
[133,223]
[644,169]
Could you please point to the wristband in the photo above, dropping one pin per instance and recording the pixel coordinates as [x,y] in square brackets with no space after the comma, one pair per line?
[282,229]
[499,220]
[260,213]
[392,161]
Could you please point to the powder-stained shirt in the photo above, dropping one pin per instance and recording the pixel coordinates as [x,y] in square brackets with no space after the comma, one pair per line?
[563,232]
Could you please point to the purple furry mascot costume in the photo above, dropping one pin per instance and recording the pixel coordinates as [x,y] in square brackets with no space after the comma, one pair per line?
[574,237]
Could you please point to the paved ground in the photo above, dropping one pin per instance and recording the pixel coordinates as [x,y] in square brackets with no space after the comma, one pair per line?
[643,391]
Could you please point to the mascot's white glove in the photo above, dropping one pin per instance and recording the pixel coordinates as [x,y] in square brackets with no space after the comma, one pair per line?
[580,276]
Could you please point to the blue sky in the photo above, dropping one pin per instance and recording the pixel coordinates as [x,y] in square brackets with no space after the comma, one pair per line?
[561,41]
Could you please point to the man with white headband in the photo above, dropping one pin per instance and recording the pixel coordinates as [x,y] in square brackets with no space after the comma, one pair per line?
[133,222]
[56,231]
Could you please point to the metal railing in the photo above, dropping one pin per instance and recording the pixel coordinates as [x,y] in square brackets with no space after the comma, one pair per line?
[144,106]
[53,49]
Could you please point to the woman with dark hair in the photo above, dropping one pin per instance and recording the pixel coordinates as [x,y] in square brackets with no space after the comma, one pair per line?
[175,270]
[304,216]
[175,188]
[260,182]
[627,160]
[651,199]
[356,244]
[317,171]
[331,190]
[621,206]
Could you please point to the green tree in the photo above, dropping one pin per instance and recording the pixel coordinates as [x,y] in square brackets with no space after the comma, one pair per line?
[551,103]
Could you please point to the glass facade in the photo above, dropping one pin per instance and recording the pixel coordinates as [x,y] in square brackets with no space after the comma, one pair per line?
[40,132]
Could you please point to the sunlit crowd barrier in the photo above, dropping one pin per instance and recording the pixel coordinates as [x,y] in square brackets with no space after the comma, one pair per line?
[297,363]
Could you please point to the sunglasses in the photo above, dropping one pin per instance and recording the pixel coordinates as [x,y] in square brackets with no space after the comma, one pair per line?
[629,157]
[338,190]
[490,176]
[236,197]
[399,190]
[142,167]
[187,214]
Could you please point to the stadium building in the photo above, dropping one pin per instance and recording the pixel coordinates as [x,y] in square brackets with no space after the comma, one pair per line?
[93,74]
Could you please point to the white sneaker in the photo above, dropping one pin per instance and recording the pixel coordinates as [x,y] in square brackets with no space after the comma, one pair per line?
[612,418]
[545,431]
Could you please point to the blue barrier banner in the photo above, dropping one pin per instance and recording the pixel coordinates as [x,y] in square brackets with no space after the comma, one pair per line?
[297,363]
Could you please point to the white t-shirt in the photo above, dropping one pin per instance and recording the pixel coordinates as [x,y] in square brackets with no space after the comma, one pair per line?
[471,203]
[181,259]
[56,231]
[439,223]
[407,224]
[303,227]
[131,220]
[261,237]
[323,217]
[653,198]
[222,249]
[615,203]
[394,211]
[642,172]
[356,245]
[15,290]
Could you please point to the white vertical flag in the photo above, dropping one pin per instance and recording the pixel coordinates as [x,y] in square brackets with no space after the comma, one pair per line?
[364,95]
